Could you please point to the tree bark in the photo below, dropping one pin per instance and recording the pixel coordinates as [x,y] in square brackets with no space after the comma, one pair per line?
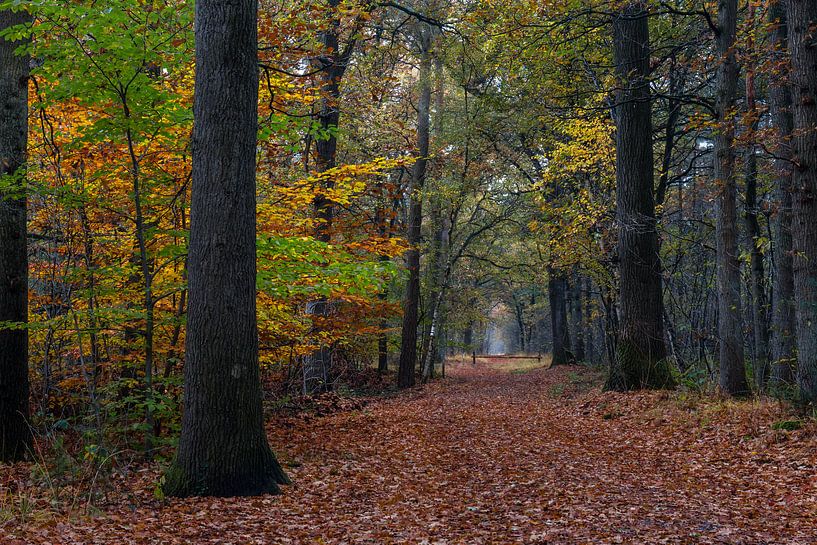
[757,288]
[640,360]
[557,297]
[783,316]
[411,303]
[587,321]
[802,25]
[333,63]
[223,450]
[577,318]
[15,436]
[730,328]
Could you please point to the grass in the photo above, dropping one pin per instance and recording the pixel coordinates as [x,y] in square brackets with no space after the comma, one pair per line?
[517,366]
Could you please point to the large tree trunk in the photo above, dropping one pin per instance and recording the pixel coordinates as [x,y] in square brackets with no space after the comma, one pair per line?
[557,298]
[411,303]
[802,23]
[14,389]
[783,317]
[640,360]
[730,328]
[223,450]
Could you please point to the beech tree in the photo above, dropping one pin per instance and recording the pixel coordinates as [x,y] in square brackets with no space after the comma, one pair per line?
[14,386]
[223,450]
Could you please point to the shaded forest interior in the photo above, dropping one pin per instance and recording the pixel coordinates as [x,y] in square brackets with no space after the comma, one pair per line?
[236,236]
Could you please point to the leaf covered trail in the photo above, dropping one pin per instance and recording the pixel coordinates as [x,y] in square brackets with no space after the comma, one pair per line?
[493,457]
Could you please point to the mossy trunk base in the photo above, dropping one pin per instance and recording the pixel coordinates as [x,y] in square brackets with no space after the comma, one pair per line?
[633,370]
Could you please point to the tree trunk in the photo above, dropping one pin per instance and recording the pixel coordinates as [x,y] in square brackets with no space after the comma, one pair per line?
[333,63]
[411,304]
[557,296]
[802,24]
[730,327]
[587,322]
[468,338]
[757,288]
[783,317]
[640,360]
[15,436]
[223,450]
[577,315]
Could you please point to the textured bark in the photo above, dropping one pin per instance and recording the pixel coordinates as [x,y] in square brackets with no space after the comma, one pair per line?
[783,317]
[333,63]
[439,268]
[802,24]
[411,303]
[223,450]
[640,360]
[557,298]
[757,287]
[14,388]
[730,328]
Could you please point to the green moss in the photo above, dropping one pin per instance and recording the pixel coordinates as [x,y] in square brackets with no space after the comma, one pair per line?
[633,370]
[788,425]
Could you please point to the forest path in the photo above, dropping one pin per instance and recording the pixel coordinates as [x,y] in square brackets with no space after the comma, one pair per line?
[493,457]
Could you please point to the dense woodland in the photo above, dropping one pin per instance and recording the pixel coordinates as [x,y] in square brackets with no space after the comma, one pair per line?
[219,214]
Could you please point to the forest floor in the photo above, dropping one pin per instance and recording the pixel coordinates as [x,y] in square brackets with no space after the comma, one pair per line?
[498,453]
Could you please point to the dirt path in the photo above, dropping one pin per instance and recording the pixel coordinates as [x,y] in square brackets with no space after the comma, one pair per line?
[495,457]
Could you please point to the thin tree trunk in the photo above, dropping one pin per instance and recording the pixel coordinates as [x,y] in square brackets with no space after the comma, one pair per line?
[757,288]
[802,25]
[333,63]
[411,303]
[15,436]
[730,327]
[147,281]
[223,449]
[640,358]
[783,317]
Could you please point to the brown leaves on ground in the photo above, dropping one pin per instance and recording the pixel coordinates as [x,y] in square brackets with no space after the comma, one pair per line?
[492,457]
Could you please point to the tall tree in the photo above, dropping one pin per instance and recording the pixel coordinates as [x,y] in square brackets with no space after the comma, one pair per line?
[802,25]
[730,327]
[14,386]
[757,288]
[640,360]
[411,302]
[783,317]
[577,316]
[557,298]
[223,450]
[332,64]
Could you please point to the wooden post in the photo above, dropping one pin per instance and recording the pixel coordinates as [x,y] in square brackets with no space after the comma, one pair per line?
[473,358]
